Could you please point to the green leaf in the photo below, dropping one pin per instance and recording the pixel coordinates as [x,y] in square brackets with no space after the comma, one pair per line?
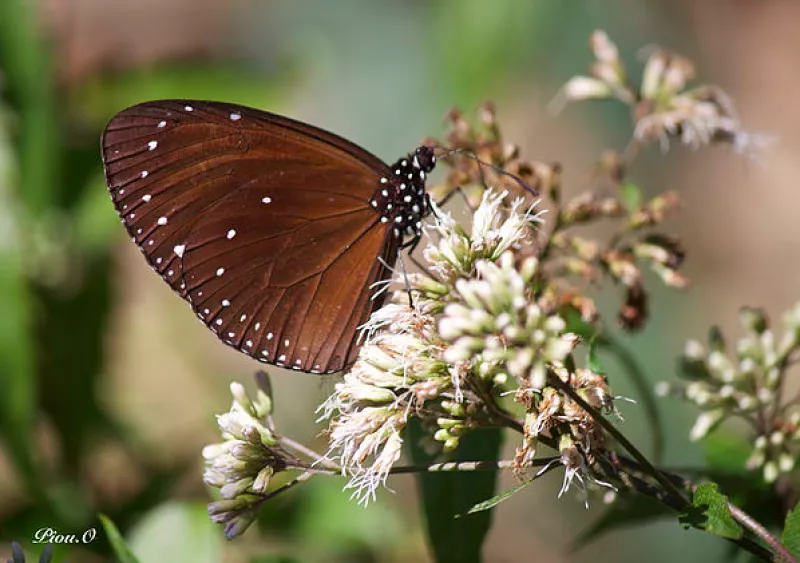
[593,362]
[710,512]
[177,531]
[627,510]
[121,549]
[577,325]
[631,196]
[495,500]
[791,531]
[445,495]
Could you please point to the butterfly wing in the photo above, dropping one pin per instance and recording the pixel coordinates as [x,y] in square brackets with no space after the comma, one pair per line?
[262,223]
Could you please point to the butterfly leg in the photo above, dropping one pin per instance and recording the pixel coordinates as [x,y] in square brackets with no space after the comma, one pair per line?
[447,198]
[405,278]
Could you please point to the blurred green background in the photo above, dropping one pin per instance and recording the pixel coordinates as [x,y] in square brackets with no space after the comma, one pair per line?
[108,384]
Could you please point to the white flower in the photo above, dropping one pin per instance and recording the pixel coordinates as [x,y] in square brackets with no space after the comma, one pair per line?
[495,229]
[499,320]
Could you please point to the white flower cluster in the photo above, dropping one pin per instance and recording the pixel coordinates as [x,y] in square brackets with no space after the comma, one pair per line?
[662,107]
[747,384]
[494,230]
[242,466]
[407,368]
[497,321]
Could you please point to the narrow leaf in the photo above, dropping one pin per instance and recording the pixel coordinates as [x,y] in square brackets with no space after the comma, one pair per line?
[495,500]
[593,362]
[577,325]
[448,494]
[121,549]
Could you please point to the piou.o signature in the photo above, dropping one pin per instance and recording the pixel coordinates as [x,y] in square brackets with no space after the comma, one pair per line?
[51,535]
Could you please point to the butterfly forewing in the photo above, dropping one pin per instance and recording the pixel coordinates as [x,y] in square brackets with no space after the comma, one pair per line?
[260,222]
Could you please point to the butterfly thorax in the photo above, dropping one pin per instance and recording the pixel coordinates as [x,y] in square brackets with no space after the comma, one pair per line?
[401,199]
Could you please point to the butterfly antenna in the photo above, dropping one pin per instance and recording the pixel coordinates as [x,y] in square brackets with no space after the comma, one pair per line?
[467,154]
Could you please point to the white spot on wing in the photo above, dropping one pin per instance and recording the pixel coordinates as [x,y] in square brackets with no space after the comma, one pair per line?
[220,271]
[231,234]
[162,221]
[266,200]
[162,124]
[144,173]
[178,249]
[188,108]
[226,303]
[270,336]
[151,146]
[235,117]
[146,198]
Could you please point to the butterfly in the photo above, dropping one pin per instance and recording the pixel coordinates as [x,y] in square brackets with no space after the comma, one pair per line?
[274,231]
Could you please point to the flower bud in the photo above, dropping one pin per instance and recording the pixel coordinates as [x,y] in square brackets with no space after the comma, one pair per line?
[753,319]
[705,422]
[584,88]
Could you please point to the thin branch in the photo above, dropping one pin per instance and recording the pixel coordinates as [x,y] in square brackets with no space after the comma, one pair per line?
[781,553]
[308,452]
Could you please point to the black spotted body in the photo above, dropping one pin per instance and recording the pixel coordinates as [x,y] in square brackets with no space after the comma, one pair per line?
[401,198]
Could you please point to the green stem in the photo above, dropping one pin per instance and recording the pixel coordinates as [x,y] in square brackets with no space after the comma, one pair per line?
[641,383]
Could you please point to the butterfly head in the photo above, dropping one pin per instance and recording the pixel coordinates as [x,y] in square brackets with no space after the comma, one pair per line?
[424,159]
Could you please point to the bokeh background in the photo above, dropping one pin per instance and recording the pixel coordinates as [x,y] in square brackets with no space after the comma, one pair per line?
[108,384]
